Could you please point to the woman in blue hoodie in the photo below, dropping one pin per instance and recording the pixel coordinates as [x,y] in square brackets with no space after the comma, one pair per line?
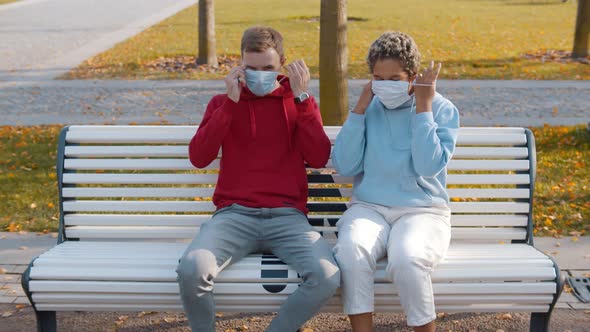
[397,143]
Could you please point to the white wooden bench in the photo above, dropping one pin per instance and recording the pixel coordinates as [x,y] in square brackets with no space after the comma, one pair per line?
[130,201]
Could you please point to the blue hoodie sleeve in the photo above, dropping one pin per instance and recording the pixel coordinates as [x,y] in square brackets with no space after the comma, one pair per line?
[349,149]
[434,138]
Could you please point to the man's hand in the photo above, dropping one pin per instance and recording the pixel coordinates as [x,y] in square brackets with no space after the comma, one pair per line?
[298,77]
[364,99]
[425,88]
[234,81]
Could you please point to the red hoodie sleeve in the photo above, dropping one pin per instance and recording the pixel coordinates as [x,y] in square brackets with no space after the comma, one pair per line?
[204,146]
[310,135]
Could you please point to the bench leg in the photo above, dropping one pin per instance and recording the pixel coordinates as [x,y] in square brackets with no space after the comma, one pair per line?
[46,321]
[540,321]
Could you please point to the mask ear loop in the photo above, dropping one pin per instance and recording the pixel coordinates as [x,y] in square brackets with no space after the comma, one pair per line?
[414,94]
[284,75]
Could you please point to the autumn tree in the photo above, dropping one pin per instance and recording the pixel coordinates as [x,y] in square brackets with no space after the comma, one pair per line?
[333,62]
[582,34]
[207,34]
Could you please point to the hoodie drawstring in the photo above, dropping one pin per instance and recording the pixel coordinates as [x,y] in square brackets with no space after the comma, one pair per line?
[288,126]
[252,119]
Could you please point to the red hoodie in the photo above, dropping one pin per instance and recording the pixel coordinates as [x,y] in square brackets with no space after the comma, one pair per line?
[265,142]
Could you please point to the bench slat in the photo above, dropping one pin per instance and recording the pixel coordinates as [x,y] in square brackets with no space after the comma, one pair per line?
[184,164]
[233,274]
[81,219]
[171,178]
[278,299]
[269,308]
[208,206]
[314,192]
[81,246]
[181,151]
[120,135]
[253,289]
[330,130]
[179,232]
[67,262]
[454,257]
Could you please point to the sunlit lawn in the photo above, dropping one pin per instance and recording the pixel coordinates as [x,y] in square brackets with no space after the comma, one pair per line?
[474,39]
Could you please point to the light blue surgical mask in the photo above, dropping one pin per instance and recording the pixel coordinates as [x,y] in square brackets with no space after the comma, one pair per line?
[261,82]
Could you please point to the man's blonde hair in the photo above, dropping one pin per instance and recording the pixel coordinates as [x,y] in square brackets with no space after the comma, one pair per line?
[261,38]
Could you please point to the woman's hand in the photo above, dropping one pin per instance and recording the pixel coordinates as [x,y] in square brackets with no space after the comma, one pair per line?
[364,99]
[425,88]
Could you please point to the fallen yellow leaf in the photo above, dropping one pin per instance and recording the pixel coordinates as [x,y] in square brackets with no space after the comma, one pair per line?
[145,313]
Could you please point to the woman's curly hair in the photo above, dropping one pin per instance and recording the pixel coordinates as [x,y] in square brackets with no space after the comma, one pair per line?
[395,45]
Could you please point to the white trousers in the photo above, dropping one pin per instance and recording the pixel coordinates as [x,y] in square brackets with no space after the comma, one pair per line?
[414,239]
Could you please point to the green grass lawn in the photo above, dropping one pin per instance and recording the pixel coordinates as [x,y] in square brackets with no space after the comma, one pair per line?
[30,199]
[2,2]
[474,39]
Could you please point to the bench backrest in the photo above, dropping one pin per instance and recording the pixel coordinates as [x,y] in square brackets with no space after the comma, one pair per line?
[126,183]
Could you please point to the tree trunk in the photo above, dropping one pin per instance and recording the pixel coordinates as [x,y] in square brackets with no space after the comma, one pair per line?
[333,62]
[207,34]
[582,34]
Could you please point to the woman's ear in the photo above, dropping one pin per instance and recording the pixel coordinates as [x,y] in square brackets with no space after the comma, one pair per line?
[283,60]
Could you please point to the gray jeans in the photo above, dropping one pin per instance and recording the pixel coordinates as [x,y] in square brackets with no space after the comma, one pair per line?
[236,231]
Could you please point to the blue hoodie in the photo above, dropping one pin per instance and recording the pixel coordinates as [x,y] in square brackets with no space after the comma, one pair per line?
[398,157]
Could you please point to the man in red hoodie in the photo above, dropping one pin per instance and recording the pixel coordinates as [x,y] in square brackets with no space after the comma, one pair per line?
[268,127]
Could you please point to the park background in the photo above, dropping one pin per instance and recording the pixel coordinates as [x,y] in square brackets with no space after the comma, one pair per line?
[523,44]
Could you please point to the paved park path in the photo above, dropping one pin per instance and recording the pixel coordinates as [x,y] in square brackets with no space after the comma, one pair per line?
[481,103]
[41,39]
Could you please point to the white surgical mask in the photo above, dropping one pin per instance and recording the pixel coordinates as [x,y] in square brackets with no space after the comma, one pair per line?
[391,93]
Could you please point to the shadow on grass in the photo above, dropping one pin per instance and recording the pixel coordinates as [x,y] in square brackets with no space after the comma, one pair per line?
[491,63]
[561,139]
[525,3]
